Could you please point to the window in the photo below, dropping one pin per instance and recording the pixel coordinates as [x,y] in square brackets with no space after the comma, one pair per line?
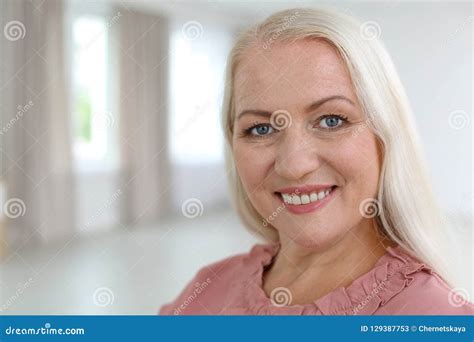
[197,65]
[94,122]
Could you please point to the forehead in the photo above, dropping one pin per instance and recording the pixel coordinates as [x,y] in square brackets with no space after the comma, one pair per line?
[289,73]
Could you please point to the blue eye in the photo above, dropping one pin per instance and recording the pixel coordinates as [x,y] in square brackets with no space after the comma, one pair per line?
[331,121]
[261,130]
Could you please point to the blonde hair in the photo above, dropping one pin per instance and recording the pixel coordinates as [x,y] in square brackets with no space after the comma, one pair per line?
[408,210]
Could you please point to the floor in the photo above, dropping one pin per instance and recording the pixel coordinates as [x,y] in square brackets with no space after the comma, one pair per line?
[123,272]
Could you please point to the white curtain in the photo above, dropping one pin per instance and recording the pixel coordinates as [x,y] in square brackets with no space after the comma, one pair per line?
[143,64]
[35,122]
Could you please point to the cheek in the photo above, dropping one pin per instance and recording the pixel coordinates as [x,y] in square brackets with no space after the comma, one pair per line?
[252,164]
[359,163]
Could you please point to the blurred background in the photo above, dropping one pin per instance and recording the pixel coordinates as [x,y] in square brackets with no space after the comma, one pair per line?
[113,188]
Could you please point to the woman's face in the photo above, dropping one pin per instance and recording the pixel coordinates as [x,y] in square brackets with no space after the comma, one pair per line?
[300,136]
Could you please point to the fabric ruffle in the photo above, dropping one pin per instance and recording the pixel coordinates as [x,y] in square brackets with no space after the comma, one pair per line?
[391,274]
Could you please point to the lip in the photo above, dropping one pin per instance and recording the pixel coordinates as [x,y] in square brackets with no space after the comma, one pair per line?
[312,206]
[305,189]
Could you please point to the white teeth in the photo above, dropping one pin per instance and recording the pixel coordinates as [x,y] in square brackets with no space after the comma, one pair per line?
[295,199]
[305,198]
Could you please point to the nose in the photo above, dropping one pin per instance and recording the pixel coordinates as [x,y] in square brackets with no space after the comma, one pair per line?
[297,154]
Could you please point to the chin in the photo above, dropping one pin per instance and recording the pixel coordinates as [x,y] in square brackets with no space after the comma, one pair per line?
[315,237]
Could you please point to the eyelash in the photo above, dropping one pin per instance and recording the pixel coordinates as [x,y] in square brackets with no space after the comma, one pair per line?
[247,131]
[340,116]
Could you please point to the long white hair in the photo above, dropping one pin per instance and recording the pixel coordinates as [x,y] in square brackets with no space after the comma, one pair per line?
[408,210]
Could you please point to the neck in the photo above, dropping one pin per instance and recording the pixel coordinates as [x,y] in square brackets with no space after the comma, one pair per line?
[299,268]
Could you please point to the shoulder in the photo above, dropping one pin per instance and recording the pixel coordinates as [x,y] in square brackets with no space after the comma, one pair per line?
[428,294]
[217,278]
[421,291]
[401,284]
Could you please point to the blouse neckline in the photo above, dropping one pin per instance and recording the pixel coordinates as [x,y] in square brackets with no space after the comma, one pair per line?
[390,274]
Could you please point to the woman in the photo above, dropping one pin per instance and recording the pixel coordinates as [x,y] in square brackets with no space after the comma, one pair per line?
[324,162]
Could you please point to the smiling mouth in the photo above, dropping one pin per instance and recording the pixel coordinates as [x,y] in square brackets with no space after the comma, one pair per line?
[301,199]
[306,199]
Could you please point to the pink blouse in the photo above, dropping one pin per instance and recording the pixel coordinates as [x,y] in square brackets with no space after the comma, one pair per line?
[397,285]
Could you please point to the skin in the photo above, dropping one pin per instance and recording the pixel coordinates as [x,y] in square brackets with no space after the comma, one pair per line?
[336,244]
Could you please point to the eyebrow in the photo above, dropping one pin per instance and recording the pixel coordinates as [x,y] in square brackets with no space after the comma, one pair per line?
[313,106]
